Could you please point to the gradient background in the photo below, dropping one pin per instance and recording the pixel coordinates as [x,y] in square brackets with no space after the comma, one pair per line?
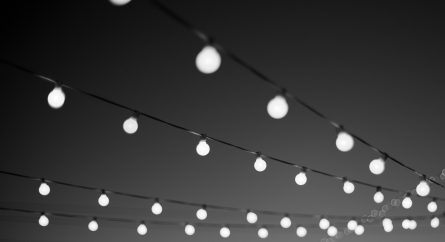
[378,69]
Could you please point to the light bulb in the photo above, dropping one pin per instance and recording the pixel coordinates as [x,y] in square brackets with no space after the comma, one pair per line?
[413,225]
[44,189]
[301,178]
[348,187]
[142,229]
[324,223]
[56,97]
[377,166]
[407,202]
[131,125]
[332,231]
[224,232]
[103,200]
[263,233]
[93,226]
[435,222]
[277,107]
[406,223]
[378,197]
[203,148]
[388,228]
[285,222]
[189,229]
[208,60]
[252,217]
[301,231]
[43,220]
[201,214]
[386,222]
[359,230]
[156,208]
[423,189]
[119,2]
[344,141]
[260,165]
[432,206]
[352,225]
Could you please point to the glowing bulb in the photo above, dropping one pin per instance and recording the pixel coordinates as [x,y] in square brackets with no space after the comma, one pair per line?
[224,232]
[156,208]
[131,125]
[301,178]
[56,97]
[386,222]
[378,197]
[44,189]
[263,233]
[93,226]
[119,2]
[423,189]
[189,229]
[377,166]
[359,230]
[407,202]
[301,231]
[260,165]
[348,187]
[435,222]
[388,228]
[352,225]
[142,229]
[285,222]
[413,225]
[201,214]
[332,231]
[103,200]
[344,141]
[252,217]
[432,206]
[324,224]
[208,60]
[203,148]
[406,223]
[43,220]
[277,107]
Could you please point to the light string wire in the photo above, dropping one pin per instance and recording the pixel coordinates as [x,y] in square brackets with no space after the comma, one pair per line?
[210,40]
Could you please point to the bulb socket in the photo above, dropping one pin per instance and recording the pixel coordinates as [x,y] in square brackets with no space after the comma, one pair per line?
[203,137]
[58,84]
[303,169]
[383,156]
[408,194]
[204,207]
[135,114]
[379,188]
[258,154]
[103,191]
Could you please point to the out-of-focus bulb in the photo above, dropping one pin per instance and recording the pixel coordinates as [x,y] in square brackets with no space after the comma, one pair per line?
[344,141]
[359,230]
[56,98]
[388,228]
[413,225]
[208,60]
[407,202]
[119,2]
[285,222]
[263,233]
[260,165]
[332,231]
[352,225]
[251,217]
[104,200]
[301,178]
[301,231]
[386,222]
[406,223]
[277,107]
[131,125]
[44,189]
[348,187]
[43,220]
[203,148]
[435,222]
[156,208]
[201,214]
[378,197]
[142,229]
[377,166]
[93,226]
[224,232]
[432,206]
[324,223]
[423,189]
[189,229]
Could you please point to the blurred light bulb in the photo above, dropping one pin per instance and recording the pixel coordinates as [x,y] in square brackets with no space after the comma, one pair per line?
[406,223]
[56,97]
[332,231]
[423,189]
[301,231]
[142,229]
[435,222]
[285,222]
[301,178]
[189,229]
[348,187]
[388,228]
[344,141]
[378,197]
[432,206]
[386,222]
[208,60]
[377,166]
[413,225]
[277,107]
[324,223]
[156,208]
[203,148]
[263,233]
[44,189]
[352,225]
[407,202]
[224,232]
[260,165]
[93,226]
[119,2]
[131,125]
[252,217]
[103,200]
[43,220]
[201,214]
[359,230]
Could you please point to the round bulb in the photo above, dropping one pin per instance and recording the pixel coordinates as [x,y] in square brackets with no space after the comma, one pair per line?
[435,222]
[352,225]
[201,214]
[43,221]
[332,231]
[324,223]
[224,232]
[56,98]
[301,232]
[432,206]
[377,166]
[406,224]
[285,222]
[260,165]
[407,202]
[44,189]
[359,230]
[119,2]
[301,178]
[189,229]
[263,233]
[131,125]
[156,208]
[413,225]
[103,200]
[386,222]
[208,60]
[378,197]
[348,187]
[252,217]
[142,229]
[93,226]
[203,148]
[423,189]
[344,142]
[388,228]
[277,107]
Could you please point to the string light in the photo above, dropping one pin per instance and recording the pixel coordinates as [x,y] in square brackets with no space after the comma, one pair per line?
[189,229]
[285,222]
[260,165]
[332,231]
[103,199]
[203,148]
[407,202]
[156,208]
[352,225]
[93,226]
[377,166]
[301,231]
[301,178]
[359,230]
[348,186]
[56,97]
[263,233]
[119,2]
[44,188]
[432,206]
[378,196]
[344,141]
[224,232]
[277,107]
[142,229]
[43,220]
[201,214]
[435,222]
[208,60]
[251,217]
[423,189]
[324,223]
[131,124]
